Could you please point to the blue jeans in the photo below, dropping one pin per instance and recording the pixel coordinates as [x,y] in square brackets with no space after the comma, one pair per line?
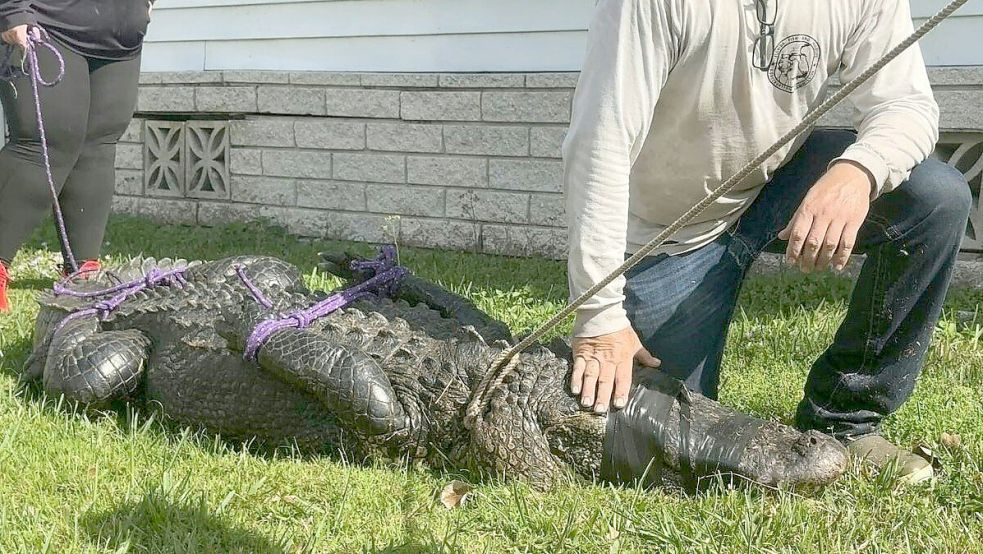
[682,305]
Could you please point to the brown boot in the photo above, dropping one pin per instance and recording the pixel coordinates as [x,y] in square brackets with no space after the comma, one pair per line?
[880,453]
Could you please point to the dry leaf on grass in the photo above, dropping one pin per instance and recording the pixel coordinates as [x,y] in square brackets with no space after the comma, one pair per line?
[455,494]
[613,533]
[951,440]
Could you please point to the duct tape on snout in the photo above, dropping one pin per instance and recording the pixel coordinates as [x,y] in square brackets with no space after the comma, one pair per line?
[641,437]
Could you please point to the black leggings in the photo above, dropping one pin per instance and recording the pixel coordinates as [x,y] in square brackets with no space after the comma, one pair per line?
[84,116]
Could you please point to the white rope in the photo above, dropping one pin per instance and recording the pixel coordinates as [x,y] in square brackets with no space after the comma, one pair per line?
[504,363]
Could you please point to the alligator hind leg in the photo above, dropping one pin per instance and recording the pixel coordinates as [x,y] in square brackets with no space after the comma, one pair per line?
[346,380]
[415,290]
[93,367]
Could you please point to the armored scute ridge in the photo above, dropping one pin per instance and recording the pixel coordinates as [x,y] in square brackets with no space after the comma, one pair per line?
[389,378]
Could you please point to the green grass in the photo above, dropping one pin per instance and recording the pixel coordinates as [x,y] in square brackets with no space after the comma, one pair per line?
[124,482]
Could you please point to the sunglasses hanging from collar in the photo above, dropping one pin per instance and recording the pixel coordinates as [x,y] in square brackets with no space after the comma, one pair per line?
[764,45]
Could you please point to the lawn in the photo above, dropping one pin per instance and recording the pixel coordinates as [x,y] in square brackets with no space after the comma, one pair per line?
[126,482]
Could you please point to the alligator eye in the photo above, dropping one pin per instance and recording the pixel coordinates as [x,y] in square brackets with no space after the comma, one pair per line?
[813,441]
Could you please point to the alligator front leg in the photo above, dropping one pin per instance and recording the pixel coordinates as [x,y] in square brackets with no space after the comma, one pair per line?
[92,366]
[415,290]
[453,306]
[349,382]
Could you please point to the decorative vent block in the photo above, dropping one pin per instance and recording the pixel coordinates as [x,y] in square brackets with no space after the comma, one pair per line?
[163,158]
[187,159]
[207,159]
[965,153]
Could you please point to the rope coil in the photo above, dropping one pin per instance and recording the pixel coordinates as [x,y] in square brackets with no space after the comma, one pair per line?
[506,361]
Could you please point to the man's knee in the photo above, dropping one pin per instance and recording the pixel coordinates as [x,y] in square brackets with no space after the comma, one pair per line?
[941,193]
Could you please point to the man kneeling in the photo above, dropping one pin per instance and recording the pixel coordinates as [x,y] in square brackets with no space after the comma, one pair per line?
[677,96]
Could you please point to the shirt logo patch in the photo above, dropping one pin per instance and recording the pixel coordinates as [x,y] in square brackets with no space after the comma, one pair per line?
[794,62]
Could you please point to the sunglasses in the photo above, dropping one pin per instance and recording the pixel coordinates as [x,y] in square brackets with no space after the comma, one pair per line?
[764,45]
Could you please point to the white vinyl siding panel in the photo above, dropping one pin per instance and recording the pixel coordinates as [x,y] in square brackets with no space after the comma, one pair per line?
[426,35]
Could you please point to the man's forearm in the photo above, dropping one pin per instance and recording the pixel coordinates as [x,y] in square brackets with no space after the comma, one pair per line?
[628,59]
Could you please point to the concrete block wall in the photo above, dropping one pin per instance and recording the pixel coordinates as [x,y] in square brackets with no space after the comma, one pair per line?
[462,161]
[458,161]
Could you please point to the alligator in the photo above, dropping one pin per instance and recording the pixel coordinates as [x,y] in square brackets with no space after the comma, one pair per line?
[388,377]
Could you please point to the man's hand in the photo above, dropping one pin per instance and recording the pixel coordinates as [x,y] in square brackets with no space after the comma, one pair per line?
[603,365]
[16,35]
[824,228]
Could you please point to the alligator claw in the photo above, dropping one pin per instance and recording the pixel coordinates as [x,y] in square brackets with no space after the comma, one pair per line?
[339,264]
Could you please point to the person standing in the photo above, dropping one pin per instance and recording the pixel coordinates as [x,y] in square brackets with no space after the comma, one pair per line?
[676,96]
[84,116]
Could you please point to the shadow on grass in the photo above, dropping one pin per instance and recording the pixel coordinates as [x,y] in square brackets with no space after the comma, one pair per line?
[158,524]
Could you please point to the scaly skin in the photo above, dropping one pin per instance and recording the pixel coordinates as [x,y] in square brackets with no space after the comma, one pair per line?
[385,378]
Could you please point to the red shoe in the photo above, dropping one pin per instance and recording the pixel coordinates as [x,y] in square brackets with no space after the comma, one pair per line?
[85,271]
[4,279]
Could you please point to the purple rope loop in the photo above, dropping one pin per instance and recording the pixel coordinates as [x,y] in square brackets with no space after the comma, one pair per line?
[302,319]
[106,307]
[117,294]
[386,276]
[153,278]
[38,38]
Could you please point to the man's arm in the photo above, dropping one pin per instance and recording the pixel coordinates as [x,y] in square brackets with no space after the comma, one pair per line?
[895,113]
[897,121]
[630,50]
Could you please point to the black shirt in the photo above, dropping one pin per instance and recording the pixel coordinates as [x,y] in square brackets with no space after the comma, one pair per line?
[103,29]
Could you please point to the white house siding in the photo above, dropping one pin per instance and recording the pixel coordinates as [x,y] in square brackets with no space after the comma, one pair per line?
[369,35]
[426,35]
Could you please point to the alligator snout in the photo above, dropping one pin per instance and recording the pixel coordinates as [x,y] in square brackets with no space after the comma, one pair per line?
[818,460]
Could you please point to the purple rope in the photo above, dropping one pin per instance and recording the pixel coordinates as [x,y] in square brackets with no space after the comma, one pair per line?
[120,293]
[253,289]
[385,260]
[153,278]
[39,38]
[387,276]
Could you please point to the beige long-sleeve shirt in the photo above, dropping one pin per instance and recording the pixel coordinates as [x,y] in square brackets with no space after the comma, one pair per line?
[669,105]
